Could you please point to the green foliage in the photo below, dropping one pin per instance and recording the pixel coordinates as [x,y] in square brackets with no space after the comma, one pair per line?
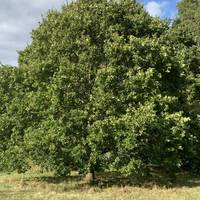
[186,25]
[103,86]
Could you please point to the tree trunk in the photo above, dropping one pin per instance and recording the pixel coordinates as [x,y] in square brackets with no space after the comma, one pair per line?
[92,171]
[90,177]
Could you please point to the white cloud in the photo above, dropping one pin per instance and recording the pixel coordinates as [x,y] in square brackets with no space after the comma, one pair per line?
[154,8]
[17,19]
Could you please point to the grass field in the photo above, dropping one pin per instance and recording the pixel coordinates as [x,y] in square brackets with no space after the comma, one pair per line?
[32,186]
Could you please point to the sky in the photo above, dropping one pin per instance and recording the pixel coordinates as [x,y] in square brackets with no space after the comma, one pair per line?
[19,17]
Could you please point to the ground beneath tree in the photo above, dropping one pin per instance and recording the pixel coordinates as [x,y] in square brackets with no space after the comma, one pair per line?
[37,186]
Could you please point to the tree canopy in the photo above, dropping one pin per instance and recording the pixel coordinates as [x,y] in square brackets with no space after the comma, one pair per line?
[103,86]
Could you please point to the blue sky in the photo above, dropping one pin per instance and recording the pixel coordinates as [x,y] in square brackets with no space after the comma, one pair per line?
[161,8]
[19,17]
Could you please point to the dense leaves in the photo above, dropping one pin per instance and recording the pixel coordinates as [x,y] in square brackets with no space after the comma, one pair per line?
[102,86]
[187,23]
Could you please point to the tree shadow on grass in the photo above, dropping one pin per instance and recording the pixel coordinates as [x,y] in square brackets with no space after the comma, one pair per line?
[57,180]
[108,179]
[157,179]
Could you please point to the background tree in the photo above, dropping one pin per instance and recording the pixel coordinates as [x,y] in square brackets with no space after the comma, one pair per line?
[10,118]
[186,30]
[187,23]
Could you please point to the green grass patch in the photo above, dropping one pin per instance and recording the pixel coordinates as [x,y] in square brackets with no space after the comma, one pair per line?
[37,186]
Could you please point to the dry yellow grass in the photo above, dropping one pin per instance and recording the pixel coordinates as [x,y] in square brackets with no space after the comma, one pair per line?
[45,187]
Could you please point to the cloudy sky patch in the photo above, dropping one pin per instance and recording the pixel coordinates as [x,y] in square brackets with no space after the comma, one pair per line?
[154,8]
[161,8]
[17,19]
